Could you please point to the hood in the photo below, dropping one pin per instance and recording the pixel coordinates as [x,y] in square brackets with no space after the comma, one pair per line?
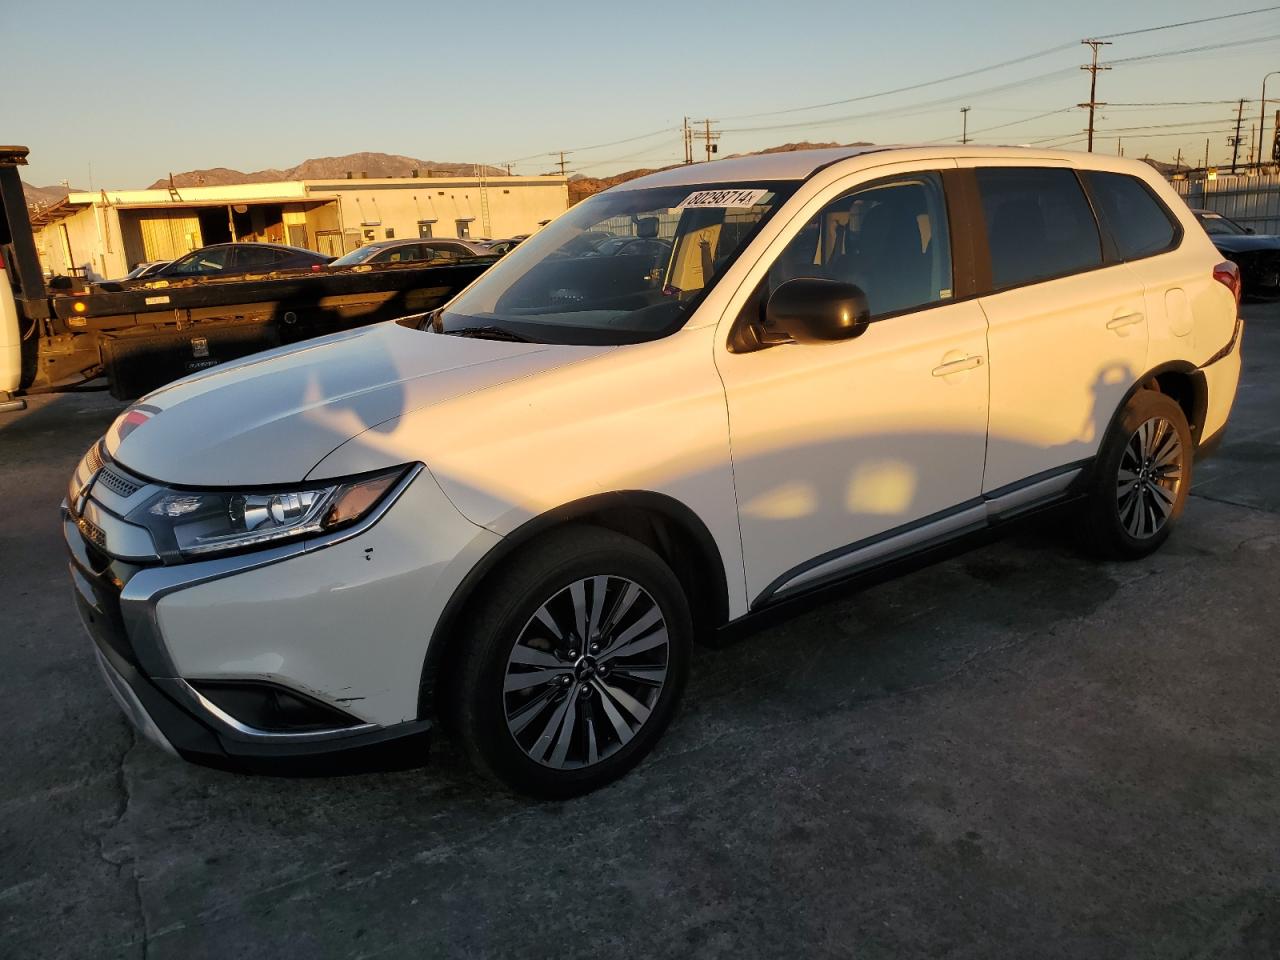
[1246,243]
[272,417]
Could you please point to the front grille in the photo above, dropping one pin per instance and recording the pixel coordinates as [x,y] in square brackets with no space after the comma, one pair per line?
[117,484]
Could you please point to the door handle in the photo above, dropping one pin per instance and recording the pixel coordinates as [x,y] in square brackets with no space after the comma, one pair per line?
[957,366]
[1121,320]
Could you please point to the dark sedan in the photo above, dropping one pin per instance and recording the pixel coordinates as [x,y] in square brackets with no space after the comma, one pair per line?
[1257,255]
[228,259]
[413,250]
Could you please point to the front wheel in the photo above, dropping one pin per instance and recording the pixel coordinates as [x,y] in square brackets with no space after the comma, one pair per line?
[573,663]
[1141,478]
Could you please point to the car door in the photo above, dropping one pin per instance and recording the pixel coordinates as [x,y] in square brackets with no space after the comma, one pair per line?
[1068,326]
[1144,233]
[848,451]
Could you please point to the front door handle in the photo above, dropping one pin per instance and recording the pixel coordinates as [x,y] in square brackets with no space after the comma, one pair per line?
[957,366]
[1122,320]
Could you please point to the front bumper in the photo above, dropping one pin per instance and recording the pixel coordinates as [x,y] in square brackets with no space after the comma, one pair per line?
[166,709]
[340,622]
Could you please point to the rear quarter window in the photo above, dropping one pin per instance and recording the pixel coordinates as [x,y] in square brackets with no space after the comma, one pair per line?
[1039,224]
[1138,222]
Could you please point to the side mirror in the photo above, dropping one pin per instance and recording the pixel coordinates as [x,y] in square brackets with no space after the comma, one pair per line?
[1248,230]
[811,310]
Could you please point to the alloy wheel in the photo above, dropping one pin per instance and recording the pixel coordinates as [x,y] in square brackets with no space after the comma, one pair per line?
[586,672]
[1150,477]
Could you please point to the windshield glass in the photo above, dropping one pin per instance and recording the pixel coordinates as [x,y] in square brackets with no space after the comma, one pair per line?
[621,267]
[355,256]
[1217,225]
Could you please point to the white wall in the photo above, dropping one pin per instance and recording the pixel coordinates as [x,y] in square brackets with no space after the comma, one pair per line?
[516,204]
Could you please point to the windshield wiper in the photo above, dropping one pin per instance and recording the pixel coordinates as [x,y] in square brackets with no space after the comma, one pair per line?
[488,333]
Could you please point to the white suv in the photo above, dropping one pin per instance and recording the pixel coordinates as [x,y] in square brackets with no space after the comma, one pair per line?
[516,513]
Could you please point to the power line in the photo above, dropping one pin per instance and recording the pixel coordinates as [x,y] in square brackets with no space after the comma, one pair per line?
[907,89]
[924,107]
[917,108]
[1014,123]
[1004,63]
[1169,103]
[1187,23]
[597,146]
[1200,49]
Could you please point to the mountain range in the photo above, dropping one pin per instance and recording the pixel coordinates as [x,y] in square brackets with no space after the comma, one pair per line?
[371,165]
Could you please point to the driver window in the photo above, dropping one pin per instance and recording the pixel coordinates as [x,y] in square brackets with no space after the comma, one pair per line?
[889,238]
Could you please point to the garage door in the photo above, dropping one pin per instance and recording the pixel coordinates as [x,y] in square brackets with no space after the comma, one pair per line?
[168,235]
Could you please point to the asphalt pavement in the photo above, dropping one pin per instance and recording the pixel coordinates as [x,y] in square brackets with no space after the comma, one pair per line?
[1016,752]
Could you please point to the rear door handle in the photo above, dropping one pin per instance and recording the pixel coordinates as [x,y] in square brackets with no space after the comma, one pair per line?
[957,366]
[1121,320]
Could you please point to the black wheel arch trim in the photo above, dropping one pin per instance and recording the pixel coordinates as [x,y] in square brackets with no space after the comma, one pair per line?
[1199,400]
[633,501]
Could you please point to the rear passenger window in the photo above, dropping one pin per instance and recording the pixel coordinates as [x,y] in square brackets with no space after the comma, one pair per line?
[1136,220]
[1039,224]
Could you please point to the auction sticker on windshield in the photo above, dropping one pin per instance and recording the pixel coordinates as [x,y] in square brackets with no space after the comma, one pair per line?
[721,198]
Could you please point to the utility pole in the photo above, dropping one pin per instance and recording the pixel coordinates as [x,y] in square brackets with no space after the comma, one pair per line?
[688,142]
[1237,139]
[1177,163]
[1093,69]
[561,162]
[1206,155]
[709,140]
[1119,148]
[964,136]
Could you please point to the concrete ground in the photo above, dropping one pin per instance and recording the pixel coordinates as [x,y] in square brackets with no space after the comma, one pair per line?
[1016,752]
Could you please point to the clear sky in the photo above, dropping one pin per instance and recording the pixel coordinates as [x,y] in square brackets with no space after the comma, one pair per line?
[126,92]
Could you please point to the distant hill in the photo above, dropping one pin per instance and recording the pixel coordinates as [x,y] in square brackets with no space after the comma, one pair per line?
[372,165]
[581,187]
[43,196]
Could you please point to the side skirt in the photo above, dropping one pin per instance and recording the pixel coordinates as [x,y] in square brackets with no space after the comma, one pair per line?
[963,520]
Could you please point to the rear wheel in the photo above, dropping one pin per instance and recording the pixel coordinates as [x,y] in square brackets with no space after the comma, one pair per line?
[573,664]
[1141,478]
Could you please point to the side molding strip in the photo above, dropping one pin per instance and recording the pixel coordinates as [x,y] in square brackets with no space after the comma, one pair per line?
[967,517]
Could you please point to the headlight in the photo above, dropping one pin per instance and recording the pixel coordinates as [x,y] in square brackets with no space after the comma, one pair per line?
[201,522]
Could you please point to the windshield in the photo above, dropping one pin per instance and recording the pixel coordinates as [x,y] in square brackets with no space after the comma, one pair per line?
[355,256]
[1216,225]
[621,267]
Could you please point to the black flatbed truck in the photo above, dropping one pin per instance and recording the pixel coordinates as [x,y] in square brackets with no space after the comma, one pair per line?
[139,335]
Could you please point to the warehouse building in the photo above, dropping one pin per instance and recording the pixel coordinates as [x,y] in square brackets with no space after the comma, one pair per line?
[105,234]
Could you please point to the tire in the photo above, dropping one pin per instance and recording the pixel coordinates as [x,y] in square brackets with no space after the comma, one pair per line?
[516,696]
[1140,480]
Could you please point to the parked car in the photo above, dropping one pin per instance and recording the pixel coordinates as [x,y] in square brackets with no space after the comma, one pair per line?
[520,510]
[411,250]
[229,259]
[502,247]
[1257,255]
